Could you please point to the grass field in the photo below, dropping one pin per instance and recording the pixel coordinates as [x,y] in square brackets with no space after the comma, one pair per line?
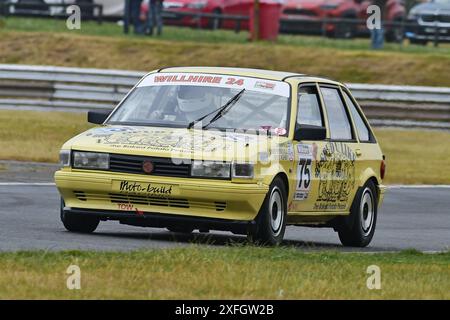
[37,136]
[413,157]
[224,273]
[49,42]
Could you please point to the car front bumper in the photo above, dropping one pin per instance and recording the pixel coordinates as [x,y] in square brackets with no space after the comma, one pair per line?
[416,31]
[93,192]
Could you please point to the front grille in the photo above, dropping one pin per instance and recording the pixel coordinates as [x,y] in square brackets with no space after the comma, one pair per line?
[431,18]
[162,166]
[125,198]
[444,18]
[428,17]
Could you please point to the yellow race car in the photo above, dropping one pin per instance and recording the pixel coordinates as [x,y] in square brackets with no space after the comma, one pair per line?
[243,150]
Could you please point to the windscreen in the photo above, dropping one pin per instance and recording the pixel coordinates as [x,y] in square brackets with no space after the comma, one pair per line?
[177,100]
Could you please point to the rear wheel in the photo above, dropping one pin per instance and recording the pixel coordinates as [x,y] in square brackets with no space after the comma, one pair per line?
[271,221]
[358,228]
[78,223]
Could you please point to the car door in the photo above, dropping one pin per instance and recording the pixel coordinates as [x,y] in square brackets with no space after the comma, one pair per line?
[337,170]
[309,113]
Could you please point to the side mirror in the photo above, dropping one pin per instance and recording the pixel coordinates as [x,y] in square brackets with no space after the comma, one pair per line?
[98,117]
[309,132]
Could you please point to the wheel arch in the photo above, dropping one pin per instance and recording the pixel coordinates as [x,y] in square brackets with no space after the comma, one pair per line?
[366,175]
[375,181]
[283,176]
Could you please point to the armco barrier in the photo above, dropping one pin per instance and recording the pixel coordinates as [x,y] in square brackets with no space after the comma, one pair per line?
[75,89]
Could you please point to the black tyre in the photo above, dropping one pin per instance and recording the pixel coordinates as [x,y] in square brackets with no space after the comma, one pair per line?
[271,221]
[78,223]
[215,23]
[180,229]
[358,228]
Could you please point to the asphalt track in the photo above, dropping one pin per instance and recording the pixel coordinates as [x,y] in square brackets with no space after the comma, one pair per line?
[417,218]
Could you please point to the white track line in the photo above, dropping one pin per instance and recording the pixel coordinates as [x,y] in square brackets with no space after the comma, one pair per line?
[419,186]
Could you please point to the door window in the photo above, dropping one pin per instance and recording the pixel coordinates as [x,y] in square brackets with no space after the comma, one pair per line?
[338,121]
[309,107]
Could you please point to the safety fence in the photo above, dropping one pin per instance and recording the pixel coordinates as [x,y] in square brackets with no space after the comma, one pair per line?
[24,87]
[434,28]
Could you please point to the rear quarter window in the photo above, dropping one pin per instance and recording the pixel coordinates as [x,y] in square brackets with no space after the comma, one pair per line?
[361,127]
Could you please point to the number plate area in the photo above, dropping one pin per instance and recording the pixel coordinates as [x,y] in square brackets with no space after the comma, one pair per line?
[145,188]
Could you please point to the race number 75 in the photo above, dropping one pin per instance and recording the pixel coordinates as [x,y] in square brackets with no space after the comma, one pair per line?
[304,174]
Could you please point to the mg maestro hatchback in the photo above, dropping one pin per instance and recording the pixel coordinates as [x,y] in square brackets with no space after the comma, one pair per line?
[243,150]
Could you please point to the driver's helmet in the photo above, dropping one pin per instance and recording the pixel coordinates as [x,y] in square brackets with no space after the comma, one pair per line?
[192,99]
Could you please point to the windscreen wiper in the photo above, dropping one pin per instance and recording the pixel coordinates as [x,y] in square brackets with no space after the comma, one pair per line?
[220,112]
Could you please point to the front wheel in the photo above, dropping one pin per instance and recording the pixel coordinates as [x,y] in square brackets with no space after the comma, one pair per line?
[78,223]
[358,228]
[271,221]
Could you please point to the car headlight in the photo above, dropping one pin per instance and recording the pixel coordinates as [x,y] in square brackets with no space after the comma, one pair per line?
[243,170]
[64,158]
[196,5]
[210,169]
[90,160]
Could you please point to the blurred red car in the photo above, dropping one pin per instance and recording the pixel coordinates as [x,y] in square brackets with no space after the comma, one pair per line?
[313,11]
[175,8]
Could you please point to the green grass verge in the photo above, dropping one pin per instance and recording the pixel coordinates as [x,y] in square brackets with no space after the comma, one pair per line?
[37,136]
[202,35]
[49,42]
[413,156]
[416,157]
[224,273]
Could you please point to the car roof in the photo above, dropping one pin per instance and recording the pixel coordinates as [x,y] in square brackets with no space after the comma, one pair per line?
[248,72]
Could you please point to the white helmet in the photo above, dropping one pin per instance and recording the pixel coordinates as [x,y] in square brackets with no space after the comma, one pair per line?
[192,99]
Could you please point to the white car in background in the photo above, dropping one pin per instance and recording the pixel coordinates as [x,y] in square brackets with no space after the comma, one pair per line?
[39,7]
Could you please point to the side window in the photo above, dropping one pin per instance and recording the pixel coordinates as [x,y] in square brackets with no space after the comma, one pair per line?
[363,131]
[309,106]
[340,128]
